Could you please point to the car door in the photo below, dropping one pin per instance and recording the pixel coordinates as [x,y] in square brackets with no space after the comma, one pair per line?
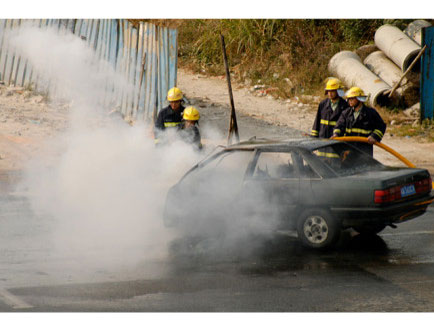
[310,179]
[272,183]
[205,199]
[217,183]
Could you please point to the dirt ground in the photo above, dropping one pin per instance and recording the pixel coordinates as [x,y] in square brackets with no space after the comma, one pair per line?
[26,119]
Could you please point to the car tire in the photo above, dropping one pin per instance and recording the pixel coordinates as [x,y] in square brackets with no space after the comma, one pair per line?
[369,229]
[317,228]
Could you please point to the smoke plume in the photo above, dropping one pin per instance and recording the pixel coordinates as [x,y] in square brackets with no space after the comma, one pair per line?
[107,184]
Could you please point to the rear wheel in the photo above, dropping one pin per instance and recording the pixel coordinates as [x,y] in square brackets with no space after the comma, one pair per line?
[369,229]
[318,228]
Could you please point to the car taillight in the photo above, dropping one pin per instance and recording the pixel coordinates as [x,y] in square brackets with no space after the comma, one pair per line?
[424,185]
[387,195]
[394,193]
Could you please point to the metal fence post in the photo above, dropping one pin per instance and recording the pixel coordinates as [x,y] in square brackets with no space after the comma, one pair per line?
[427,75]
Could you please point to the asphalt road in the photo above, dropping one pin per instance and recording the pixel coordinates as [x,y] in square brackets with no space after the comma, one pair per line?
[391,272]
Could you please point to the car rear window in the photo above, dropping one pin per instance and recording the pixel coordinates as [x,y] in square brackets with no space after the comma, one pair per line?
[345,159]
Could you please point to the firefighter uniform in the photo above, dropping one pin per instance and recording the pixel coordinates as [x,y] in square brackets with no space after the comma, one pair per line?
[364,123]
[167,119]
[191,136]
[326,117]
[190,133]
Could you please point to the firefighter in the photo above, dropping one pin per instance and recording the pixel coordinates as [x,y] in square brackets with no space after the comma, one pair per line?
[169,118]
[329,109]
[360,120]
[189,127]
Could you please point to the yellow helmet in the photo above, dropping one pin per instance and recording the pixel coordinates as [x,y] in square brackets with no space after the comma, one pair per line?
[191,113]
[333,84]
[356,92]
[174,94]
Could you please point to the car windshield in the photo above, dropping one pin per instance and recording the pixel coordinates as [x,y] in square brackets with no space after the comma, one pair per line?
[345,159]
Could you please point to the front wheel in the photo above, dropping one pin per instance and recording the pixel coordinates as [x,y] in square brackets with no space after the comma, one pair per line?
[317,228]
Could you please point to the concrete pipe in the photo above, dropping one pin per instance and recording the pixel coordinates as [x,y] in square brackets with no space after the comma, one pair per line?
[348,67]
[414,30]
[396,45]
[384,68]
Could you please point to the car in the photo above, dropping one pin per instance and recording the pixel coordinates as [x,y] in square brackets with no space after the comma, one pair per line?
[317,187]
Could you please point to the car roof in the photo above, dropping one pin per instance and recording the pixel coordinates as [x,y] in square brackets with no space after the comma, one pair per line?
[308,143]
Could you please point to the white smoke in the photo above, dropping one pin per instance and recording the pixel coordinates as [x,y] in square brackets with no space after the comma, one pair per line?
[107,185]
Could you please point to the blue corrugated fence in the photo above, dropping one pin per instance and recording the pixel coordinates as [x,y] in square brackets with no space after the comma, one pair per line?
[144,54]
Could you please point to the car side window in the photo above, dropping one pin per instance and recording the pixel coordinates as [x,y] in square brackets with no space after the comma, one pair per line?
[274,165]
[230,165]
[306,171]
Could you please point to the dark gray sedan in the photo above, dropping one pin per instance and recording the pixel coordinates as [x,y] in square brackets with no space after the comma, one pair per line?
[317,187]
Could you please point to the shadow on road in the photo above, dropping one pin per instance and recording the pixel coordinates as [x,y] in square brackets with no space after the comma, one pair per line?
[278,254]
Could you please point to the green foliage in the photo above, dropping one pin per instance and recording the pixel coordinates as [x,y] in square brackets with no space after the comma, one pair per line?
[199,39]
[427,123]
[424,130]
[400,23]
[355,30]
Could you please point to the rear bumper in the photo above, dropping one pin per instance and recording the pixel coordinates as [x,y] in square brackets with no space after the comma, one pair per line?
[397,213]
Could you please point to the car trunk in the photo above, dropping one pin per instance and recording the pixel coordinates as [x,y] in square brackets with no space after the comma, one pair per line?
[397,185]
[373,188]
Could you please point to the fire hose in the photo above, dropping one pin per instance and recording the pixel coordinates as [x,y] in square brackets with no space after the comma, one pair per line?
[385,147]
[381,145]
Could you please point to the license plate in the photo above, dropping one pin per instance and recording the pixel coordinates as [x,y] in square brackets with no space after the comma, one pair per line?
[408,190]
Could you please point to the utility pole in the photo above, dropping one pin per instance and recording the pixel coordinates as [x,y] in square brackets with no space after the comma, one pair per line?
[233,126]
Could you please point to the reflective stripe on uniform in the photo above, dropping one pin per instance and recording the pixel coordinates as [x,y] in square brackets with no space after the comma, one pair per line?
[328,123]
[357,130]
[337,131]
[378,133]
[332,155]
[171,124]
[314,132]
